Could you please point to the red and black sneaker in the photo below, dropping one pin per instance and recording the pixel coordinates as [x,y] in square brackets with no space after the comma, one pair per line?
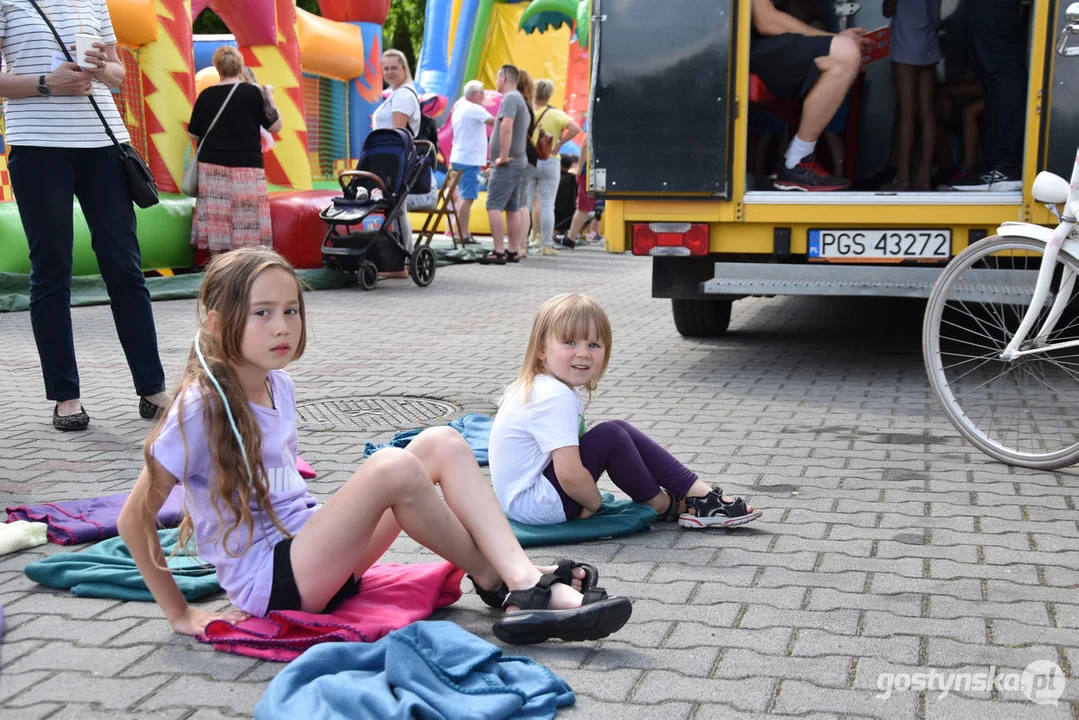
[807,176]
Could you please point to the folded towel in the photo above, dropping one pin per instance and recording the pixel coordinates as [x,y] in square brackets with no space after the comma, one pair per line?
[91,519]
[614,519]
[475,428]
[428,669]
[106,570]
[21,534]
[391,596]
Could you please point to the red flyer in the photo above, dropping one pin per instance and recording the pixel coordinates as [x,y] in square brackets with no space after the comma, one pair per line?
[880,44]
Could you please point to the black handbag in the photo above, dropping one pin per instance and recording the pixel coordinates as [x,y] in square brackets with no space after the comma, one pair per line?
[140,181]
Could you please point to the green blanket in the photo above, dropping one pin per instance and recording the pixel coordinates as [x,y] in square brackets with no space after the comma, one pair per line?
[106,570]
[614,519]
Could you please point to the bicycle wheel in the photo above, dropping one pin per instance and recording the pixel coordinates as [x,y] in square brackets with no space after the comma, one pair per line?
[1023,412]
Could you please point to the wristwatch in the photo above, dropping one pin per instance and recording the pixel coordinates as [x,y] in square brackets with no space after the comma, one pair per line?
[42,88]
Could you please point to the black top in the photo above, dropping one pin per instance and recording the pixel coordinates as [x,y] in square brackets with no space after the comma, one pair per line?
[235,140]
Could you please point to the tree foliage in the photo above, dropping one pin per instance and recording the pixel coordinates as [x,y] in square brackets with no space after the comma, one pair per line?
[403,28]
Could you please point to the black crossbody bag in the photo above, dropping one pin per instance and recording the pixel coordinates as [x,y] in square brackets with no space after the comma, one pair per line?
[140,181]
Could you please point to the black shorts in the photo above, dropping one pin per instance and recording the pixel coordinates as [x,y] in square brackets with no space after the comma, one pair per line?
[785,63]
[284,595]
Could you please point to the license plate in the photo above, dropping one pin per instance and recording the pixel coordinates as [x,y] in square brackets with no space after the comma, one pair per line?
[880,245]
[372,222]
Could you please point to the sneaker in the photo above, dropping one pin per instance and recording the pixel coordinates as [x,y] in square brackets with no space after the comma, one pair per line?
[710,510]
[564,242]
[548,250]
[807,176]
[999,179]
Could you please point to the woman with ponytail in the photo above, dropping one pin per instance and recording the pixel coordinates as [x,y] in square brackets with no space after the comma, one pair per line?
[229,437]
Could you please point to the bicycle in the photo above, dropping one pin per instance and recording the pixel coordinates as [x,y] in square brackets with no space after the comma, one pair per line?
[1001,336]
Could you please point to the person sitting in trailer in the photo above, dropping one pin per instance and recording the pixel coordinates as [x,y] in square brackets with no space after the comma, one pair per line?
[796,60]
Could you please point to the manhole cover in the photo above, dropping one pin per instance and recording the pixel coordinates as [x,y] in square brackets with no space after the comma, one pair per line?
[371,413]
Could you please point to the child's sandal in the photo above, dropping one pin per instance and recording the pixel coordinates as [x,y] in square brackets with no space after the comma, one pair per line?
[597,617]
[491,598]
[711,510]
[565,569]
[673,511]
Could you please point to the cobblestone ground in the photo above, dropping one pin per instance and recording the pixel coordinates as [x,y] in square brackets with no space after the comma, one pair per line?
[887,545]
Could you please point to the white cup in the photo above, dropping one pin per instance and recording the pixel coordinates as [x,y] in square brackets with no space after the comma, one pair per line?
[83,43]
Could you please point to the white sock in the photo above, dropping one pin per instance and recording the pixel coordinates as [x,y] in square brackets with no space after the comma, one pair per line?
[797,151]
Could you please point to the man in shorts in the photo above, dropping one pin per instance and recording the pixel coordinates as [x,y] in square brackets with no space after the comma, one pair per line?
[469,120]
[796,60]
[508,162]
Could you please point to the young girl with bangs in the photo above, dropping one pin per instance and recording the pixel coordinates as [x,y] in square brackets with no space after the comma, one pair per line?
[544,462]
[230,437]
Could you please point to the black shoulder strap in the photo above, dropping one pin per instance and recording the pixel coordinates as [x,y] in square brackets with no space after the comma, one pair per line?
[108,130]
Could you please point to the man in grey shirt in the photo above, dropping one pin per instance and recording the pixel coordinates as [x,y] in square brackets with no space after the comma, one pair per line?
[508,161]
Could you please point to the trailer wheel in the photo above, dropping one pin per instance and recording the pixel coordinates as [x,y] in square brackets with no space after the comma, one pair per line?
[701,318]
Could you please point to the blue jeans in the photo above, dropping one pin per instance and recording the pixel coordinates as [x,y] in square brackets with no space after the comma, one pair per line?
[45,181]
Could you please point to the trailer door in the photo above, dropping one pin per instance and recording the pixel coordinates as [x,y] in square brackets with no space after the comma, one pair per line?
[661,102]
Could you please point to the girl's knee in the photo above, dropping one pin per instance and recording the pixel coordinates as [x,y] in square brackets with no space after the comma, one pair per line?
[402,468]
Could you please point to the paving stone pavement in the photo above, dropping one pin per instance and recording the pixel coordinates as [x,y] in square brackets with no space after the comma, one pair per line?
[888,545]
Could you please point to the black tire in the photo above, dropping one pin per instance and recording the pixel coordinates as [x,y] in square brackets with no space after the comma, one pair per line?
[368,275]
[701,318]
[421,265]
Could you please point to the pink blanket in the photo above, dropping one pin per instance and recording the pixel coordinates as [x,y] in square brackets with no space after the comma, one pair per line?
[391,596]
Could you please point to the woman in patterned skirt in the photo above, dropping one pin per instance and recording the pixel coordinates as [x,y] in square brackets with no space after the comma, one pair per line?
[233,206]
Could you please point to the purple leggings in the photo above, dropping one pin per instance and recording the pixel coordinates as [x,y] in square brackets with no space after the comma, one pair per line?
[636,463]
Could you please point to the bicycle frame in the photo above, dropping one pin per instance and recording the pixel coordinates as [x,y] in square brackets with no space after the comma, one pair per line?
[1057,241]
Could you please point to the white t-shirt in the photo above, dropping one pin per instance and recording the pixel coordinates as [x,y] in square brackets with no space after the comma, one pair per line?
[522,439]
[402,100]
[29,48]
[469,133]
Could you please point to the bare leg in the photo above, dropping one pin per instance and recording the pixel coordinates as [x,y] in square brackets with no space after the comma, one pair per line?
[838,71]
[394,490]
[905,77]
[927,87]
[576,225]
[464,214]
[498,228]
[515,231]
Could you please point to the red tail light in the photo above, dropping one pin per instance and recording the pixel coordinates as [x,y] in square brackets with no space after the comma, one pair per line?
[670,238]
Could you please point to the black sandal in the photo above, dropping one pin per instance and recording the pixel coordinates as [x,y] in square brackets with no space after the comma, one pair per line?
[512,256]
[491,598]
[711,510]
[497,598]
[492,258]
[597,617]
[673,511]
[69,423]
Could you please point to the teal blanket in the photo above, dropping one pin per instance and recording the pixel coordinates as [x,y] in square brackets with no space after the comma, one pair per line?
[614,519]
[107,570]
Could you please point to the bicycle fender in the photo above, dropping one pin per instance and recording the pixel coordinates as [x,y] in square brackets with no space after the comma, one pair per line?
[1023,229]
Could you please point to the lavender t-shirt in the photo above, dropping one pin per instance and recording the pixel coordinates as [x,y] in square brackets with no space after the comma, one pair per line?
[247,574]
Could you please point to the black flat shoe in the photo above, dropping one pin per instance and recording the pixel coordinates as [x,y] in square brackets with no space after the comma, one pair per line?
[69,423]
[148,410]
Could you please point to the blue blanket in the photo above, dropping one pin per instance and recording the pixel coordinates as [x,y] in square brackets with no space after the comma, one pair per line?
[614,519]
[476,429]
[431,670]
[107,570]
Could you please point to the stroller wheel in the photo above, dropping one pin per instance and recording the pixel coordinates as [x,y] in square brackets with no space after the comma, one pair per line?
[368,275]
[422,265]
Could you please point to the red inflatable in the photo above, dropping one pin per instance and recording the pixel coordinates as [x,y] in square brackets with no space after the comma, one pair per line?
[297,229]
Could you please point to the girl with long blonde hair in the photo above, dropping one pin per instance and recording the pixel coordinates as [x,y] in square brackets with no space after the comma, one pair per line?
[545,462]
[230,437]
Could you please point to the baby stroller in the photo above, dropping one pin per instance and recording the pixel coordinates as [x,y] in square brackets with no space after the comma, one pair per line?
[364,236]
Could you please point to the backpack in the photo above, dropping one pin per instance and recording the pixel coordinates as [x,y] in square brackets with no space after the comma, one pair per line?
[544,140]
[428,130]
